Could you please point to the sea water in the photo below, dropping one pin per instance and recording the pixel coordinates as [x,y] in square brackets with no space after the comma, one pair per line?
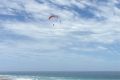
[96,75]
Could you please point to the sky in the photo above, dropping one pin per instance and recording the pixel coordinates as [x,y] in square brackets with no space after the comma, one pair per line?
[85,37]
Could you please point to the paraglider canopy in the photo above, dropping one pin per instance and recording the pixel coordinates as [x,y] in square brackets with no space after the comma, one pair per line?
[53,17]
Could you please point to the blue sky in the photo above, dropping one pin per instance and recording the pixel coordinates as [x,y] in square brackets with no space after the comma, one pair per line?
[86,39]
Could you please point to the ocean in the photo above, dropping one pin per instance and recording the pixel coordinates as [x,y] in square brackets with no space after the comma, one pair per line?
[60,75]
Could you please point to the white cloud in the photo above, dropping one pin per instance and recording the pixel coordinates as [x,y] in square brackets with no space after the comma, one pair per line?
[104,32]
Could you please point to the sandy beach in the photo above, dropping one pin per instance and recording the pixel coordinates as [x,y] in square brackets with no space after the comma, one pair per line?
[5,78]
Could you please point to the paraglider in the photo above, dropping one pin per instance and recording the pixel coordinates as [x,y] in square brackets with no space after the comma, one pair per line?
[54,19]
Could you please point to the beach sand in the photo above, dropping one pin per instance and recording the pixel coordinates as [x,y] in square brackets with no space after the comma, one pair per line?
[5,78]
